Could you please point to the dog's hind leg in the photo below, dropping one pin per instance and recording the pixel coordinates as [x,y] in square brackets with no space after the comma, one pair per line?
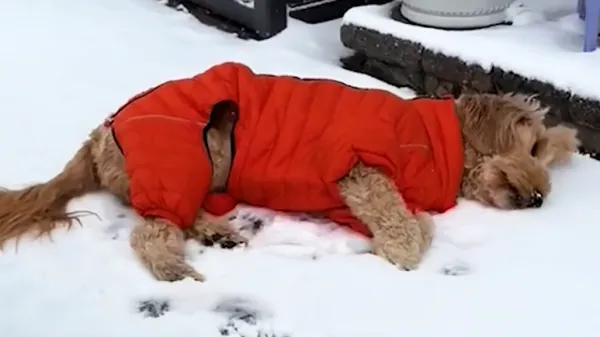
[160,246]
[210,230]
[110,164]
[373,199]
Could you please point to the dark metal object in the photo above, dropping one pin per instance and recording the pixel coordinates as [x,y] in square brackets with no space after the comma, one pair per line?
[263,19]
[317,11]
[258,19]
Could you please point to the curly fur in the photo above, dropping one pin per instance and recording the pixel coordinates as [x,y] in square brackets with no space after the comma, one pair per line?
[398,235]
[40,208]
[508,152]
[99,165]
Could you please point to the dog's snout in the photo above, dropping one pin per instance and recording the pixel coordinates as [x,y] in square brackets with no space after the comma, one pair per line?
[536,200]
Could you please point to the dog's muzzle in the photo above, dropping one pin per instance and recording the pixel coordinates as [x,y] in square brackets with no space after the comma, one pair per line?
[536,200]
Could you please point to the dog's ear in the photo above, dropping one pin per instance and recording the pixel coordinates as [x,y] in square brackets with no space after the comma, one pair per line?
[556,146]
[530,106]
[477,121]
[491,123]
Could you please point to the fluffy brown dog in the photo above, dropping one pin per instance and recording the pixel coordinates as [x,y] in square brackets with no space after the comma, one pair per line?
[507,153]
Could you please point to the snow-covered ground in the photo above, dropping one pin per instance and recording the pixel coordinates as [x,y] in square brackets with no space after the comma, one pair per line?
[65,65]
[545,43]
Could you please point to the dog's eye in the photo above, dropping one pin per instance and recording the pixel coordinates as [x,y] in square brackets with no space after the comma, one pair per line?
[534,148]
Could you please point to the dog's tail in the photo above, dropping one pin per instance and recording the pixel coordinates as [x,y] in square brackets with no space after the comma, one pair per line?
[41,207]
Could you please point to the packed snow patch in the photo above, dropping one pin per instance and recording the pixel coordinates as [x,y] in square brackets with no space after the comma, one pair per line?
[67,65]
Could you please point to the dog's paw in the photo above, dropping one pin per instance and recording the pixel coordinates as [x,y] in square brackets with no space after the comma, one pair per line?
[404,255]
[175,271]
[226,241]
[216,233]
[401,244]
[153,308]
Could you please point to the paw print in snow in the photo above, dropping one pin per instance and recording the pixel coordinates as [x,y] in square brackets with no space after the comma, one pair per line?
[246,325]
[119,227]
[248,223]
[245,319]
[456,268]
[153,308]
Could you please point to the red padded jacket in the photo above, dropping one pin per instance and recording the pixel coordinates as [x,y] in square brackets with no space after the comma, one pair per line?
[294,139]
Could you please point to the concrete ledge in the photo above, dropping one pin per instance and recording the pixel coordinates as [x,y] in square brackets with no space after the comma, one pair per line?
[402,63]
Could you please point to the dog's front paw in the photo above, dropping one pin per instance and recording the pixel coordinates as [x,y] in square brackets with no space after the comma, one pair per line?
[171,269]
[160,246]
[402,256]
[401,245]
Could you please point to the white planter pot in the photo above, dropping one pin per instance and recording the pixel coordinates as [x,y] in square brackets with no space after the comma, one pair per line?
[455,13]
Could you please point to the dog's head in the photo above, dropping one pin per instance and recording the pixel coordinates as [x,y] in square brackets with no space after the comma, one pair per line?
[508,150]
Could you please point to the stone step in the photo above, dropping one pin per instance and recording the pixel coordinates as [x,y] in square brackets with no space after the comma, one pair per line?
[439,62]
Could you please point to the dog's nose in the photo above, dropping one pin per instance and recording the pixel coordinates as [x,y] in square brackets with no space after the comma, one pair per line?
[536,200]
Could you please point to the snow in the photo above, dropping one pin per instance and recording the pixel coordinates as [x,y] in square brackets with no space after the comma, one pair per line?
[66,65]
[519,14]
[247,3]
[544,43]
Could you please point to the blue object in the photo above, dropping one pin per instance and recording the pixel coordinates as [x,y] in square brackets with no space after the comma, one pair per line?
[589,11]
